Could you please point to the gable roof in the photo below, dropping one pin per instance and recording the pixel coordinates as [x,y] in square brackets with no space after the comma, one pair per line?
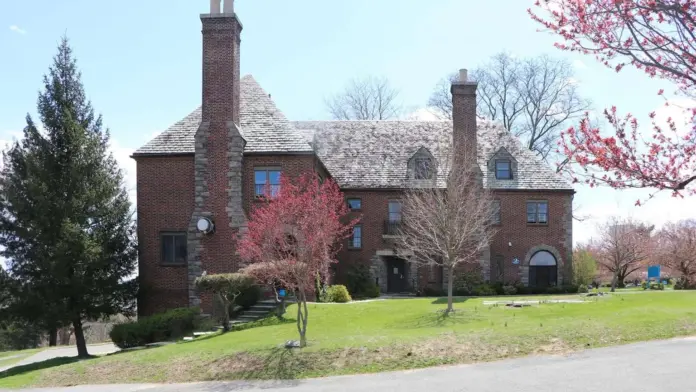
[374,154]
[359,154]
[263,126]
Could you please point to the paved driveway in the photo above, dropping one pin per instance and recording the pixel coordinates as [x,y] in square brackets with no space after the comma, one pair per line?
[663,365]
[68,351]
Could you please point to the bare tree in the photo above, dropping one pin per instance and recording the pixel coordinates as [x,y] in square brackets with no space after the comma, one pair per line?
[533,98]
[677,250]
[369,98]
[448,227]
[624,247]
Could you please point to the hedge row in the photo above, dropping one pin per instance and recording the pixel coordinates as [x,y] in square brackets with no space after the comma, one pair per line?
[169,325]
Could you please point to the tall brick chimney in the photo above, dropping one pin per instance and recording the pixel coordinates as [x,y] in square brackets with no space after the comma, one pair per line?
[464,116]
[219,146]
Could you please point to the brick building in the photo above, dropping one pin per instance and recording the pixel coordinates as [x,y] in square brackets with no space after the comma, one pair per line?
[207,169]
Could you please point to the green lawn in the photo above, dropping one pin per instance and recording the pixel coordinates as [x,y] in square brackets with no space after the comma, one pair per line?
[11,357]
[386,335]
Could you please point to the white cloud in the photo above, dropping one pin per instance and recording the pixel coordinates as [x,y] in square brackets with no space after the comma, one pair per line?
[17,29]
[422,114]
[579,64]
[596,205]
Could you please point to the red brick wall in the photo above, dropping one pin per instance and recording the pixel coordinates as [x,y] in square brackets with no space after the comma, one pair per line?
[374,212]
[165,203]
[290,166]
[514,229]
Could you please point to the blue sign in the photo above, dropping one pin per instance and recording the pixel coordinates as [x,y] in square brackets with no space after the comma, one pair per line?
[515,261]
[281,293]
[654,272]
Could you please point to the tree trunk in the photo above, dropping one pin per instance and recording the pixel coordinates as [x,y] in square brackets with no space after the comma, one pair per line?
[80,339]
[613,282]
[449,291]
[52,337]
[302,317]
[225,313]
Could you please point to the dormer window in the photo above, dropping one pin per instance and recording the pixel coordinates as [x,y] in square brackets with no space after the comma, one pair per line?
[423,168]
[503,169]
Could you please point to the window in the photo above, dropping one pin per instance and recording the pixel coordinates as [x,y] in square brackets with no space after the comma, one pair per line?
[394,211]
[503,170]
[496,212]
[422,169]
[173,248]
[537,212]
[266,181]
[355,204]
[356,237]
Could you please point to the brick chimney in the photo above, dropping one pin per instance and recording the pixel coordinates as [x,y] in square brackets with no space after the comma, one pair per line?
[464,116]
[219,146]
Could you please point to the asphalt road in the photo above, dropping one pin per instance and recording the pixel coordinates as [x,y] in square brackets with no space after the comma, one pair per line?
[662,365]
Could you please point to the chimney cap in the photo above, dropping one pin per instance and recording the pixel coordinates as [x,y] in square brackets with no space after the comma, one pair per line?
[463,75]
[221,7]
[463,78]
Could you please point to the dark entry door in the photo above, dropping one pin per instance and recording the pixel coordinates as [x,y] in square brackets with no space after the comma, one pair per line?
[396,273]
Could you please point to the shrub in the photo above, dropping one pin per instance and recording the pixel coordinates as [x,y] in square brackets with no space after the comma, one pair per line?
[360,283]
[583,289]
[169,325]
[509,290]
[226,289]
[430,291]
[337,293]
[249,297]
[19,335]
[465,283]
[483,290]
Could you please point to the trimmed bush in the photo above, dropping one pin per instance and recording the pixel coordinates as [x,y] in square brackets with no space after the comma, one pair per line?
[337,293]
[430,291]
[226,290]
[484,290]
[582,289]
[166,326]
[360,283]
[509,290]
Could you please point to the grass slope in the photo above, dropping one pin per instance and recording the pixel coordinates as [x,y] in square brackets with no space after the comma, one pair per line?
[386,335]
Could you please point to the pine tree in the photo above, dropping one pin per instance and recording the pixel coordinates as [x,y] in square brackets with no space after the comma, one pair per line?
[66,224]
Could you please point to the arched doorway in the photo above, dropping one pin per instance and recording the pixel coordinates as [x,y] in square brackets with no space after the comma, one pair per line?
[543,269]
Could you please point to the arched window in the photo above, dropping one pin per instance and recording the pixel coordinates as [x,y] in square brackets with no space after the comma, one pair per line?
[543,269]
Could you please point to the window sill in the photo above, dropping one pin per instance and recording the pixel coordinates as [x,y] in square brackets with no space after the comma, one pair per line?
[537,224]
[390,236]
[175,265]
[354,249]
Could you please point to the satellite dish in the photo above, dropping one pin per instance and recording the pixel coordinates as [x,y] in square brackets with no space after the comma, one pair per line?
[205,225]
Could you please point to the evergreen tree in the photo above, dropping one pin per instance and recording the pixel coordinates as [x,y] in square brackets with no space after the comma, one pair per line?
[66,224]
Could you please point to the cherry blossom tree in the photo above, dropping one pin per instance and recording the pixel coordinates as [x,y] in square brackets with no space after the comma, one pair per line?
[657,37]
[624,247]
[295,235]
[677,250]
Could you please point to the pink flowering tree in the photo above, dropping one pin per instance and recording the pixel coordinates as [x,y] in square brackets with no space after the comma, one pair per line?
[295,235]
[657,37]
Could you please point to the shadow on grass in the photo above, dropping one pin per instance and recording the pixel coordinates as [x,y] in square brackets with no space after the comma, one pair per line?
[49,363]
[456,300]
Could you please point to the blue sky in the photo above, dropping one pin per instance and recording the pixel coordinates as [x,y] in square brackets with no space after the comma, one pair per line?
[141,64]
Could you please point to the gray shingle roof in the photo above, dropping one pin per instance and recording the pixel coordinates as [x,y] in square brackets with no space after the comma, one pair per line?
[263,126]
[374,154]
[360,154]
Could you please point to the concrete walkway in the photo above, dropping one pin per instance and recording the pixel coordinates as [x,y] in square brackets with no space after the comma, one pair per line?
[63,351]
[660,365]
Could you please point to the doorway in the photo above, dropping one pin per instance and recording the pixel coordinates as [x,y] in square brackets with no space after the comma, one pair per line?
[397,275]
[543,270]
